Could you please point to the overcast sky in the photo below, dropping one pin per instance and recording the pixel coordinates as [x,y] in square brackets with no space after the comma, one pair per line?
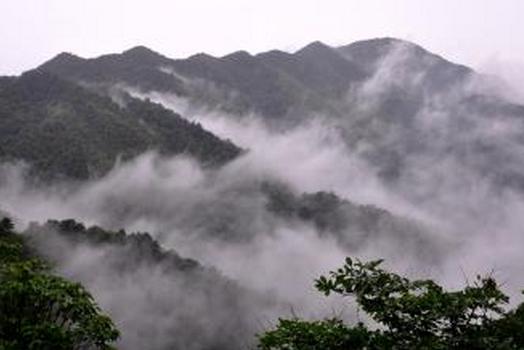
[478,33]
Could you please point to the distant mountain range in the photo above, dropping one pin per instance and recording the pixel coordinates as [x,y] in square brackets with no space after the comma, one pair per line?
[273,83]
[383,95]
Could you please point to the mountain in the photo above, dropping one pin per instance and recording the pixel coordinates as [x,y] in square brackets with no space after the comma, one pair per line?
[393,102]
[438,72]
[65,130]
[159,299]
[275,83]
[392,125]
[317,67]
[419,112]
[382,94]
[267,80]
[354,225]
[135,67]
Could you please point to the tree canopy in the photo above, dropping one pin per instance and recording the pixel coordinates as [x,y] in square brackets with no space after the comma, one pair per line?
[418,314]
[39,310]
[63,130]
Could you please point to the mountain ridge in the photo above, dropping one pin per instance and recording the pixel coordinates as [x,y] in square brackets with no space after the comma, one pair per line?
[65,130]
[278,84]
[377,91]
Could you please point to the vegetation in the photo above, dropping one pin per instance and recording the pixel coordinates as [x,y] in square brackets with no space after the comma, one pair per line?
[65,130]
[140,248]
[137,67]
[409,314]
[39,310]
[162,300]
[282,86]
[286,89]
[352,224]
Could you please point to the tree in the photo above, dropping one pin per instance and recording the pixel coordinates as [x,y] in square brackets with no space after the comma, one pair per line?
[416,314]
[6,225]
[41,311]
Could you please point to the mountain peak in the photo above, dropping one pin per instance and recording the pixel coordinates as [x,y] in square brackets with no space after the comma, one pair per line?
[142,55]
[369,52]
[238,56]
[373,49]
[63,58]
[273,53]
[67,56]
[313,48]
[142,52]
[383,41]
[201,57]
[139,49]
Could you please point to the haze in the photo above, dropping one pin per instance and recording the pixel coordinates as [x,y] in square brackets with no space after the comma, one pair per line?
[254,174]
[479,33]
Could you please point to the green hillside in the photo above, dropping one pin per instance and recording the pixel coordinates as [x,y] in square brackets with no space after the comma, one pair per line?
[64,130]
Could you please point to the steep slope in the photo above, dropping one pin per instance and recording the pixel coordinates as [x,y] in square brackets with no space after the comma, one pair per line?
[62,129]
[438,73]
[353,225]
[158,299]
[318,67]
[418,111]
[251,84]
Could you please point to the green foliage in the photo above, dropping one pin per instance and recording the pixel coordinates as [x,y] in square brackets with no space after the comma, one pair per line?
[351,224]
[65,130]
[140,248]
[6,225]
[317,335]
[199,293]
[416,314]
[41,311]
[274,83]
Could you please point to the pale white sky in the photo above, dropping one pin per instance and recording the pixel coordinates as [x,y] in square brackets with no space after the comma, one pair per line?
[472,32]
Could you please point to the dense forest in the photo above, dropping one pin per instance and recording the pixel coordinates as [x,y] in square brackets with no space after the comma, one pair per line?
[418,314]
[378,93]
[63,130]
[179,291]
[276,84]
[39,310]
